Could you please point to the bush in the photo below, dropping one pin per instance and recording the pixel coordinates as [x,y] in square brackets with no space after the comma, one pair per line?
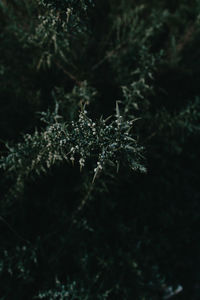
[99,149]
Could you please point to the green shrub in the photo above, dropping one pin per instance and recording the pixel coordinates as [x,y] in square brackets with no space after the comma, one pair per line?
[100,193]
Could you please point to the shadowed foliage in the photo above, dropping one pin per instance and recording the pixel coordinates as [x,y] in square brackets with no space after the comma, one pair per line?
[99,149]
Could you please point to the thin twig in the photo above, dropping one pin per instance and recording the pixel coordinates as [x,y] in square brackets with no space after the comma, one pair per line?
[186,38]
[82,204]
[13,231]
[110,54]
[79,83]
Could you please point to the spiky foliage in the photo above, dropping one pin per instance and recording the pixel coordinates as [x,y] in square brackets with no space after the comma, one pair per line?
[107,143]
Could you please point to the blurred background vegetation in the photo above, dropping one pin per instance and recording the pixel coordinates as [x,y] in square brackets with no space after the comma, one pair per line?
[127,235]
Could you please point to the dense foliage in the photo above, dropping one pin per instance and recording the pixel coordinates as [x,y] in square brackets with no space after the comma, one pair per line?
[99,149]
